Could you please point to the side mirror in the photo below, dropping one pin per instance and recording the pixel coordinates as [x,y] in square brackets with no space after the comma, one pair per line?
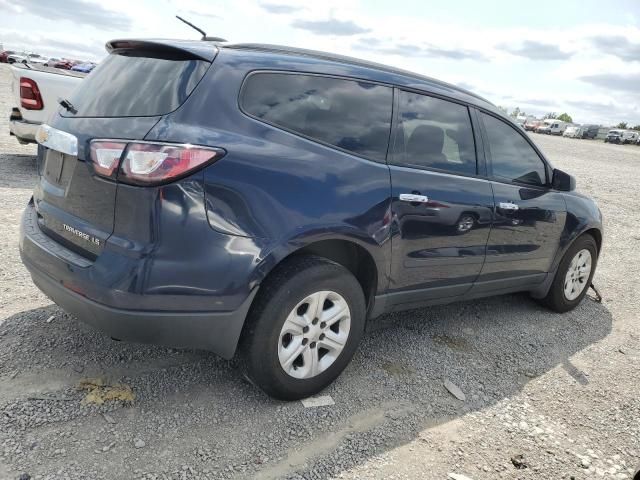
[563,181]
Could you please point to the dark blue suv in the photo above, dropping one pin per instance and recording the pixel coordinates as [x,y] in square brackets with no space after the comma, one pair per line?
[273,200]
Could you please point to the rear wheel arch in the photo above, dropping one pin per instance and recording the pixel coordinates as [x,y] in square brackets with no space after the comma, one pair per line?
[354,257]
[471,214]
[350,253]
[287,288]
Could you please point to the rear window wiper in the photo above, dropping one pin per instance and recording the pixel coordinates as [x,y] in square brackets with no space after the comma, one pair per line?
[67,105]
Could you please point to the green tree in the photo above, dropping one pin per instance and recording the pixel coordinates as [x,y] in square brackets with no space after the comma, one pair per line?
[550,115]
[517,112]
[637,127]
[565,117]
[622,125]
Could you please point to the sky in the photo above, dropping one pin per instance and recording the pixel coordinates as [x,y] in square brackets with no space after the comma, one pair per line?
[579,57]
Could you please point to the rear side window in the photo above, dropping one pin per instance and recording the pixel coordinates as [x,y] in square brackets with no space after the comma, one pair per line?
[351,115]
[137,84]
[512,158]
[434,133]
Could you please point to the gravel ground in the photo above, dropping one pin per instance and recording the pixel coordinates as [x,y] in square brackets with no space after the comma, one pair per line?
[547,395]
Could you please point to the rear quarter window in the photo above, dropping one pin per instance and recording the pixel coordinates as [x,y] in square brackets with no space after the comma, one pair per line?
[137,84]
[352,115]
[434,133]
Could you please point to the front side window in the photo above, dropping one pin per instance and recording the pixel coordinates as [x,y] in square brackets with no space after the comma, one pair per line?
[348,114]
[434,133]
[512,158]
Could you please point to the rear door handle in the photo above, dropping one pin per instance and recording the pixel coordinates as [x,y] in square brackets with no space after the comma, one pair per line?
[413,198]
[508,206]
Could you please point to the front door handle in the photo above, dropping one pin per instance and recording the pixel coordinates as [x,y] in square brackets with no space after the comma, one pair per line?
[413,198]
[508,206]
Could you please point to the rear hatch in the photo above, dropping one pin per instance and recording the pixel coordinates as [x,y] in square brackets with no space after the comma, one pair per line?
[122,99]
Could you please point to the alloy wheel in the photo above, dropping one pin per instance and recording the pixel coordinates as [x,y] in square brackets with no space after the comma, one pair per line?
[465,223]
[314,334]
[575,281]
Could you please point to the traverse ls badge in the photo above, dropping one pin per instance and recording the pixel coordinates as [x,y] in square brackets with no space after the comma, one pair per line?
[81,234]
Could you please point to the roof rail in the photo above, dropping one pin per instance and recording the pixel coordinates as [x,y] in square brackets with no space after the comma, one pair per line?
[349,60]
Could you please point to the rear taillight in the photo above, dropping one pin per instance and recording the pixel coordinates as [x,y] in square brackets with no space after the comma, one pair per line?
[148,163]
[30,97]
[105,156]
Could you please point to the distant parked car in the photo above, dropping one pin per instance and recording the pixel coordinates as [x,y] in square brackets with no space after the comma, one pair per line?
[51,62]
[35,58]
[542,128]
[66,64]
[572,131]
[552,126]
[26,58]
[629,136]
[532,125]
[84,67]
[5,54]
[589,131]
[614,136]
[557,127]
[15,57]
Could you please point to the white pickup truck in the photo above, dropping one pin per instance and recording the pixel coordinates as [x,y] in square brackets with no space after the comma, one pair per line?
[36,91]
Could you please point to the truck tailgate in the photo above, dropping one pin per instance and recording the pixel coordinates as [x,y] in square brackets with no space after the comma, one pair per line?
[53,84]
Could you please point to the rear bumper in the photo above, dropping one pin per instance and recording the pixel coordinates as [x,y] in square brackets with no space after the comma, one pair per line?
[23,130]
[215,331]
[70,280]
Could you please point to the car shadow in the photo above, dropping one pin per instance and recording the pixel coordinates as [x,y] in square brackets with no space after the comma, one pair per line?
[391,391]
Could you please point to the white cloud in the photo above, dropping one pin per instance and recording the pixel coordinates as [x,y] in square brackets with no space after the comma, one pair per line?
[580,68]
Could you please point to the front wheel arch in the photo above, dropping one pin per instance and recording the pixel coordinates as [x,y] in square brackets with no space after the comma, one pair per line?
[556,298]
[542,290]
[597,236]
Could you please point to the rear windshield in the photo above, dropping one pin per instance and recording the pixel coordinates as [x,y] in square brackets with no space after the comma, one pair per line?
[137,84]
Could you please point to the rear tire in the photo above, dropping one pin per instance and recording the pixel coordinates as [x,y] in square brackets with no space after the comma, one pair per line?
[287,318]
[572,280]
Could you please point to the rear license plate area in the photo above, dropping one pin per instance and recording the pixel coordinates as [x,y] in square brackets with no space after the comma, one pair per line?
[57,167]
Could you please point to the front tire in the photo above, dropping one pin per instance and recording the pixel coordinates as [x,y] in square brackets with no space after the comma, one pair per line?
[573,276]
[303,328]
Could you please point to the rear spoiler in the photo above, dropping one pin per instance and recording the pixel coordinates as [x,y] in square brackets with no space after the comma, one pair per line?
[206,51]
